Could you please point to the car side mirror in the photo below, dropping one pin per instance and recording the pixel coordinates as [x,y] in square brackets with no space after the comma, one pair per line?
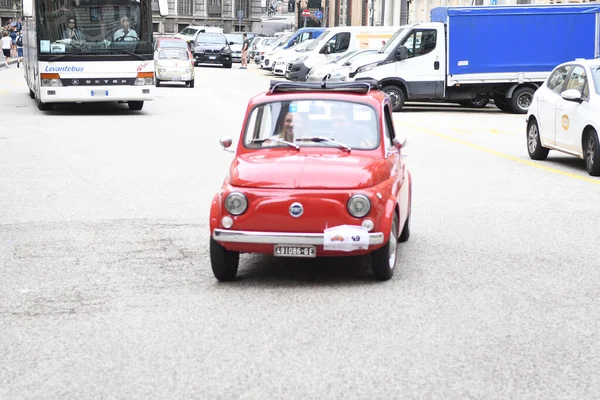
[347,64]
[326,49]
[163,8]
[401,53]
[399,143]
[27,8]
[226,143]
[230,43]
[572,95]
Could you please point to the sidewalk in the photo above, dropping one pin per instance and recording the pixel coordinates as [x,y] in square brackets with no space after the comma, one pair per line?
[12,63]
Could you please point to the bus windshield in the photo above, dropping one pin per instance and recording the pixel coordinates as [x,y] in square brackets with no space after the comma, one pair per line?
[98,27]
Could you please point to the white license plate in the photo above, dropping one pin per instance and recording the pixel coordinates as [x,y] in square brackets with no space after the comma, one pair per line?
[99,93]
[212,57]
[176,78]
[295,251]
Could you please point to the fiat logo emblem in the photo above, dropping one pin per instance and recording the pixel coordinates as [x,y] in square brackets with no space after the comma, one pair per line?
[296,210]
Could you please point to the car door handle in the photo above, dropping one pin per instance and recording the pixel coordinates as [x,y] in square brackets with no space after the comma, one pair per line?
[436,65]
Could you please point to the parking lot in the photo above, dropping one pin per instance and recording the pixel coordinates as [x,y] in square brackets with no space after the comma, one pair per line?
[104,249]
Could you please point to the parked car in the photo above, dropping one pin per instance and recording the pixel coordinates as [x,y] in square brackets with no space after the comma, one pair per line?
[317,172]
[235,41]
[212,48]
[564,114]
[337,70]
[282,58]
[256,46]
[190,32]
[174,65]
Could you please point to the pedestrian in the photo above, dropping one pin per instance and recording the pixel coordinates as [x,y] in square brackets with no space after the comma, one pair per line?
[6,46]
[19,49]
[13,37]
[245,52]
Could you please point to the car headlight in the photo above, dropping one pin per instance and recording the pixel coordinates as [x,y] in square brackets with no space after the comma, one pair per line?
[226,50]
[366,68]
[236,203]
[199,51]
[359,205]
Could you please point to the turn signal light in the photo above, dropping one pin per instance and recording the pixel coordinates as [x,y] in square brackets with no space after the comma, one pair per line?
[50,80]
[144,78]
[49,76]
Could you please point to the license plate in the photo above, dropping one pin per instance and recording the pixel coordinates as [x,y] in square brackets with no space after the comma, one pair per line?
[212,57]
[295,251]
[176,78]
[99,93]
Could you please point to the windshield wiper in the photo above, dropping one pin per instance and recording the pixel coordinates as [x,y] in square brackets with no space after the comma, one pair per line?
[86,53]
[60,57]
[319,139]
[131,53]
[276,140]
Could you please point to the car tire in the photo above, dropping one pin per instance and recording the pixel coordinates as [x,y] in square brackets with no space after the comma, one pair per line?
[227,65]
[534,143]
[135,105]
[157,82]
[592,153]
[521,100]
[384,259]
[191,83]
[397,96]
[224,263]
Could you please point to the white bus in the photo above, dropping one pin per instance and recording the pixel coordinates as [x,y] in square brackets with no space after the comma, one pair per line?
[89,51]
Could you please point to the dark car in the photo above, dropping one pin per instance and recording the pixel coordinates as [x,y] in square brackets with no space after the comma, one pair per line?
[212,48]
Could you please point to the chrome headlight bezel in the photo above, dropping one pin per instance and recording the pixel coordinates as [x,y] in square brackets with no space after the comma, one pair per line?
[236,209]
[359,205]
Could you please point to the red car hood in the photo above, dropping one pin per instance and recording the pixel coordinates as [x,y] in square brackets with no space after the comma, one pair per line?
[308,171]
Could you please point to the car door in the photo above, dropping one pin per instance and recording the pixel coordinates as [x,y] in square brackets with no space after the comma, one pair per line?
[338,45]
[570,116]
[548,96]
[391,152]
[423,69]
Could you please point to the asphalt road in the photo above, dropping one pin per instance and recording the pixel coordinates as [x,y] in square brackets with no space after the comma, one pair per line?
[106,289]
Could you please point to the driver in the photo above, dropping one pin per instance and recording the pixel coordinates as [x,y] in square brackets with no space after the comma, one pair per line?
[124,33]
[72,32]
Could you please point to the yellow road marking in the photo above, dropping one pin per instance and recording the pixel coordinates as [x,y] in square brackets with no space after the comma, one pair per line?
[506,156]
[496,131]
[462,130]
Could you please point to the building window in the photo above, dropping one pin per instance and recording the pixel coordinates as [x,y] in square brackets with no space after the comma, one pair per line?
[184,7]
[243,5]
[155,27]
[214,8]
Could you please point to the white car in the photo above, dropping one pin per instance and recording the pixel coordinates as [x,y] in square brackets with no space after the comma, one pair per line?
[282,58]
[339,69]
[268,51]
[236,41]
[565,114]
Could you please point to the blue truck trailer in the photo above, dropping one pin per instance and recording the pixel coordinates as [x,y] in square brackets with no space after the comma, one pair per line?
[468,54]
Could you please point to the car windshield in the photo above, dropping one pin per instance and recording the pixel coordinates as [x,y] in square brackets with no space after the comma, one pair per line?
[313,123]
[323,38]
[236,39]
[596,77]
[393,42]
[111,27]
[281,40]
[207,38]
[188,32]
[173,54]
[173,44]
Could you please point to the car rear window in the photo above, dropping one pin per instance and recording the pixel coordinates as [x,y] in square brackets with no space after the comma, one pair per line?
[173,54]
[348,123]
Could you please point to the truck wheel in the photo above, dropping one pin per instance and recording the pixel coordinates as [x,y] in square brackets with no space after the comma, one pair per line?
[224,263]
[592,153]
[396,95]
[502,103]
[384,259]
[534,143]
[521,100]
[135,105]
[480,101]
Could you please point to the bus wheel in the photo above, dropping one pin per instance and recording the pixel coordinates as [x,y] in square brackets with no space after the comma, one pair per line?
[44,106]
[31,94]
[135,105]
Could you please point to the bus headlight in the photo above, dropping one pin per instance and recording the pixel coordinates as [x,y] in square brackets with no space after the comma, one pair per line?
[144,78]
[50,80]
[359,205]
[236,203]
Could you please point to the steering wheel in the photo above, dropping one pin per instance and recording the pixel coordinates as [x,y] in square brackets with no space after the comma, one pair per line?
[122,39]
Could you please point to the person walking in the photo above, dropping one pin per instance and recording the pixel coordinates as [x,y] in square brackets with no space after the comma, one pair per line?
[6,47]
[19,49]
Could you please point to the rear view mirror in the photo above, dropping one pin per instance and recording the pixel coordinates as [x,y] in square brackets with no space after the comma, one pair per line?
[399,143]
[572,95]
[163,7]
[226,143]
[27,8]
[401,53]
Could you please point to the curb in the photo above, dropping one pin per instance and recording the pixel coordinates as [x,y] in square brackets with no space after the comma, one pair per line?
[11,62]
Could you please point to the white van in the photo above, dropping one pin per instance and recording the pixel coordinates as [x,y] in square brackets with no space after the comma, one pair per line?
[336,42]
[190,32]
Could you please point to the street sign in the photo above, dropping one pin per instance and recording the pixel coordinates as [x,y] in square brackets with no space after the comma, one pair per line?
[240,14]
[306,13]
[318,14]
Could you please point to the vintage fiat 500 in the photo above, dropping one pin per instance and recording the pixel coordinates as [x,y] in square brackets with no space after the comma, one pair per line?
[318,171]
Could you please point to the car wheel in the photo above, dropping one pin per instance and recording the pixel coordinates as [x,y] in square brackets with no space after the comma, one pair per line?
[227,65]
[224,263]
[534,144]
[397,96]
[135,105]
[384,259]
[521,100]
[157,82]
[592,153]
[191,83]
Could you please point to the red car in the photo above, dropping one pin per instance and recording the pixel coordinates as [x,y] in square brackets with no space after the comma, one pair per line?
[318,171]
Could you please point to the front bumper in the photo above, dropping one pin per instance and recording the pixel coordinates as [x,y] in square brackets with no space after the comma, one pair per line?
[317,239]
[175,76]
[297,72]
[204,58]
[83,94]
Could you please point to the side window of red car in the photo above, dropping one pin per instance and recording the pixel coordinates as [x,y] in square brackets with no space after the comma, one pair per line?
[388,126]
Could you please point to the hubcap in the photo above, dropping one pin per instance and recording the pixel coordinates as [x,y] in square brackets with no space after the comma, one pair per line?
[393,243]
[393,96]
[524,100]
[590,152]
[479,100]
[533,138]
